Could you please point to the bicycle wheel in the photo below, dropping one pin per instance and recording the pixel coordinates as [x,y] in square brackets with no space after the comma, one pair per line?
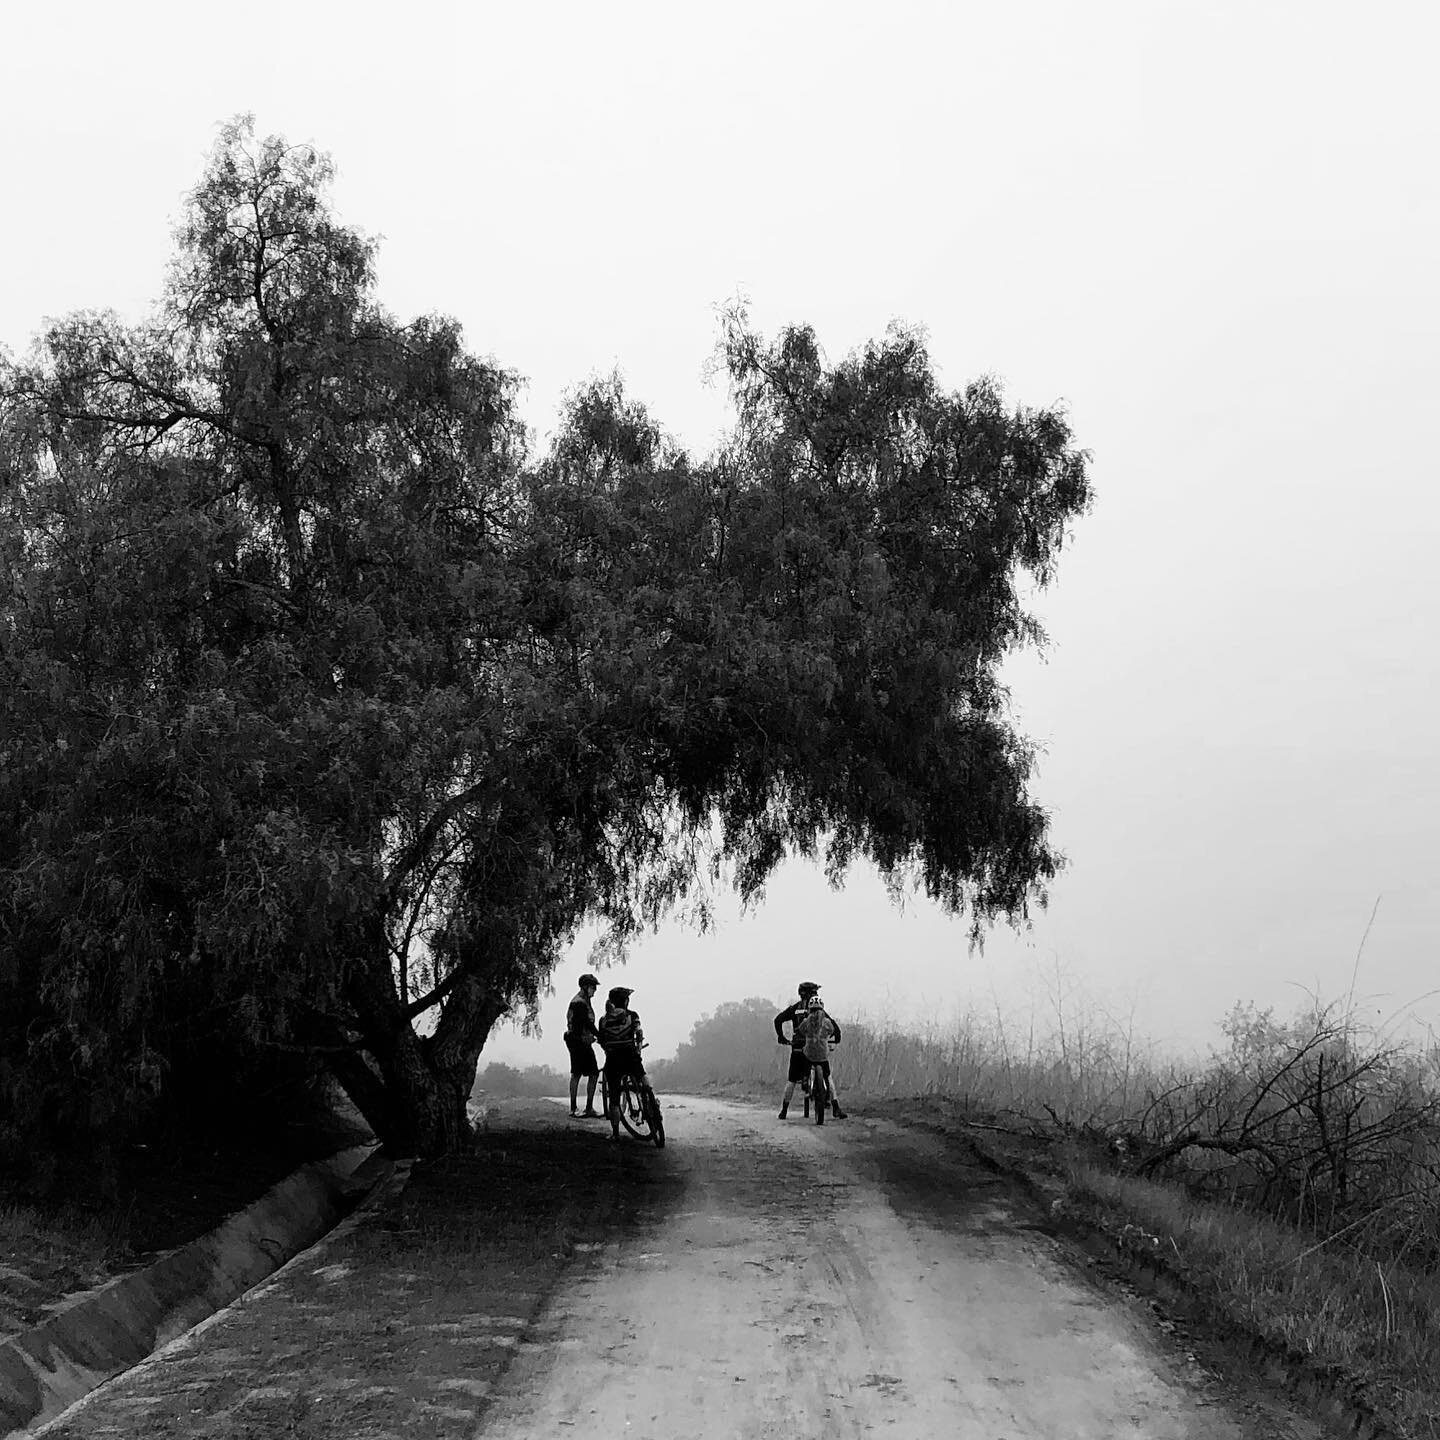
[819,1095]
[805,1091]
[657,1123]
[632,1109]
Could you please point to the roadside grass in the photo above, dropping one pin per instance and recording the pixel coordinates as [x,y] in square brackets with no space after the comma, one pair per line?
[45,1256]
[57,1236]
[1377,1322]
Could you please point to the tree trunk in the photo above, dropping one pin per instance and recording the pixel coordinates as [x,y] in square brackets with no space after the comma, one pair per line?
[453,1051]
[416,1092]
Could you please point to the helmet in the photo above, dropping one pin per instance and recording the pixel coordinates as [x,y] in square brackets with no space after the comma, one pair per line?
[814,1003]
[589,980]
[807,987]
[620,994]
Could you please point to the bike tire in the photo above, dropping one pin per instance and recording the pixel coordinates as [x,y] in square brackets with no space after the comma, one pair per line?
[657,1123]
[820,1098]
[632,1109]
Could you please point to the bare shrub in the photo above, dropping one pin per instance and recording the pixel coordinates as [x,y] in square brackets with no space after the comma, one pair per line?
[1316,1121]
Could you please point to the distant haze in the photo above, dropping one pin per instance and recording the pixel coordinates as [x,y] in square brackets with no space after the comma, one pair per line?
[1211,230]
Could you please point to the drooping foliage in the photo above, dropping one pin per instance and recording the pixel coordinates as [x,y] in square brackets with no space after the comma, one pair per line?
[329,713]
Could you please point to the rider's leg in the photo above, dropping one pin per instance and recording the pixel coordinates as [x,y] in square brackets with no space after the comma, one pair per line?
[799,1067]
[574,1090]
[589,1094]
[612,1091]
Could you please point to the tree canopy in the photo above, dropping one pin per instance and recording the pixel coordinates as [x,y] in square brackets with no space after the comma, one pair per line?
[330,711]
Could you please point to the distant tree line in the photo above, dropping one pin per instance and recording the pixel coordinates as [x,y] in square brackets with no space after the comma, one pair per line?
[498,1081]
[329,710]
[733,1045]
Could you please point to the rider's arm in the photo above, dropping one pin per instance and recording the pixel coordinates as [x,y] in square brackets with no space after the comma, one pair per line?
[788,1013]
[835,1026]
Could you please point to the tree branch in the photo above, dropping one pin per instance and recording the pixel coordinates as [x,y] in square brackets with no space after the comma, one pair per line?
[416,850]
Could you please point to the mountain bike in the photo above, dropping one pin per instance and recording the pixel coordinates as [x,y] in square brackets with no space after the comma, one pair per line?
[821,1094]
[639,1108]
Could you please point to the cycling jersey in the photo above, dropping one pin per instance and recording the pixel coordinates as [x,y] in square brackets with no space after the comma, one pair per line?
[580,1018]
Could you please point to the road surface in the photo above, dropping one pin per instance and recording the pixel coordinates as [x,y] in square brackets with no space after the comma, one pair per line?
[758,1279]
[943,1311]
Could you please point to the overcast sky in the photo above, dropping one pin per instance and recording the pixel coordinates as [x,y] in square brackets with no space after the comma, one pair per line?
[1211,230]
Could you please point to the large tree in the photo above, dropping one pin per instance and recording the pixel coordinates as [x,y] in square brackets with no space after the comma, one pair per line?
[330,714]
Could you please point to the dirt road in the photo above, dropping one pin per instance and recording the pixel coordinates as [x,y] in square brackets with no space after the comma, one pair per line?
[553,1283]
[943,1312]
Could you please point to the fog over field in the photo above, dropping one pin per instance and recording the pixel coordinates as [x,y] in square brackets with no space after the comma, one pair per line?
[1210,230]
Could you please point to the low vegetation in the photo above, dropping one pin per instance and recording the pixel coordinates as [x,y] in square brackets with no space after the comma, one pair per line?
[1293,1173]
[1331,1299]
[48,1254]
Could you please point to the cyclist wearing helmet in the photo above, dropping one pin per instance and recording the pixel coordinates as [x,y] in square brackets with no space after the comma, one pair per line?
[799,1065]
[579,1041]
[620,1038]
[817,1032]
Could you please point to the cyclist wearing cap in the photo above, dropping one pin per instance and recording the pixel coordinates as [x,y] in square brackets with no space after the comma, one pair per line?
[621,1039]
[799,1065]
[580,1035]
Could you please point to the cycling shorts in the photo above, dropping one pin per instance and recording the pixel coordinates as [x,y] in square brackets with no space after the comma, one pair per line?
[623,1060]
[582,1056]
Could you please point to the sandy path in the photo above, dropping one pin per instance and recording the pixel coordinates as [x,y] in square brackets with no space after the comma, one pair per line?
[944,1315]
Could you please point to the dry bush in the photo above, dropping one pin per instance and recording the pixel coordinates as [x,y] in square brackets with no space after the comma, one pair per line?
[1316,1121]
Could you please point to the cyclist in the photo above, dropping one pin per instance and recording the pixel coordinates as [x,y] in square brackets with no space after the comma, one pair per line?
[620,1038]
[580,1035]
[817,1032]
[799,1065]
